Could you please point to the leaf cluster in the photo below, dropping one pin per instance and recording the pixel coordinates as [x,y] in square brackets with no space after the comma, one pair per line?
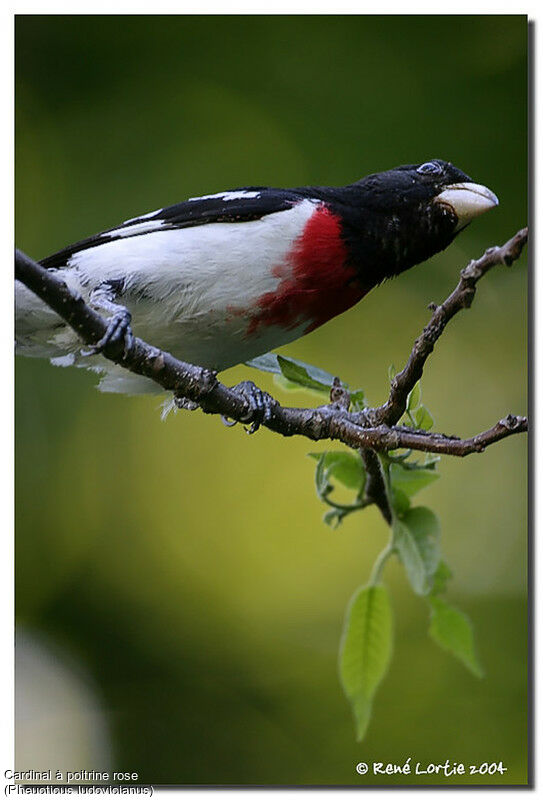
[415,540]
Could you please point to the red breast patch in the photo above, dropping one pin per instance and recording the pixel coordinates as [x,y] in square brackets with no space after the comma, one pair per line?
[314,283]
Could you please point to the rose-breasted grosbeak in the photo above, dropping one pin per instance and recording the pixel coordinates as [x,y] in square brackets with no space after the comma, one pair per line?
[219,279]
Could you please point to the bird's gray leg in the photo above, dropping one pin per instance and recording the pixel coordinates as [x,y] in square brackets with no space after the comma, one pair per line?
[103,298]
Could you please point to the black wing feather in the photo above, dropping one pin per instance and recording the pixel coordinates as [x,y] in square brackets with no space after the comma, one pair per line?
[189,213]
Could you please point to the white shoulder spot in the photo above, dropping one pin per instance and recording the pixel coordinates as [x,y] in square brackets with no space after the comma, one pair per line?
[226,196]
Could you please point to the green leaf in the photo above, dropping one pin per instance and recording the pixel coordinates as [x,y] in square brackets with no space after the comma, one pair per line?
[345,467]
[294,370]
[411,481]
[321,479]
[391,372]
[290,386]
[265,363]
[334,517]
[414,396]
[358,401]
[366,649]
[305,374]
[441,576]
[453,631]
[400,501]
[423,419]
[416,539]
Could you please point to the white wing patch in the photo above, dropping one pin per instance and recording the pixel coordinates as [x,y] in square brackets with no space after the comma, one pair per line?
[240,195]
[132,230]
[143,216]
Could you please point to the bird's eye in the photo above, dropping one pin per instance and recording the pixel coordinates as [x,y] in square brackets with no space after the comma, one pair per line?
[429,168]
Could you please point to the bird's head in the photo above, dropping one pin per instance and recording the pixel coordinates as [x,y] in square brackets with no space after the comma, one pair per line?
[416,210]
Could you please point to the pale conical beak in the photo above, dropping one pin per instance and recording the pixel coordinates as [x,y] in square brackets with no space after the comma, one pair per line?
[468,200]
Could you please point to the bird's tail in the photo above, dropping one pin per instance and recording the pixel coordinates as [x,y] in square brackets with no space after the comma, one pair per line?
[38,330]
[40,333]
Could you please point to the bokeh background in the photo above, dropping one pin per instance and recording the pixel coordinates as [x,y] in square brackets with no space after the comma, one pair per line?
[179,599]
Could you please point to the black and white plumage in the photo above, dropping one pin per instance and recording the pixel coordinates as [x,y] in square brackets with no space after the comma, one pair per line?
[219,279]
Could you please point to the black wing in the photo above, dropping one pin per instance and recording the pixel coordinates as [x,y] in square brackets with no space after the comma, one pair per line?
[236,205]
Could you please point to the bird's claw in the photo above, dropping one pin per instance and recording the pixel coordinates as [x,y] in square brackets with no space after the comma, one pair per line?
[184,403]
[261,405]
[118,329]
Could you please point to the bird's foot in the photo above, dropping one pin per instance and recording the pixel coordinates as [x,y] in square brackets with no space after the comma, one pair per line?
[261,405]
[118,329]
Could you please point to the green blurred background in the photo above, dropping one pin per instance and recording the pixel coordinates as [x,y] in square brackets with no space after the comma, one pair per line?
[176,576]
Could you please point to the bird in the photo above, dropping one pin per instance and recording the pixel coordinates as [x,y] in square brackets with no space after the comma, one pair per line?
[222,278]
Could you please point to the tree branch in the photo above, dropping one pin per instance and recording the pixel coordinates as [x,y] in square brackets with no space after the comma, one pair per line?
[375,490]
[371,429]
[461,297]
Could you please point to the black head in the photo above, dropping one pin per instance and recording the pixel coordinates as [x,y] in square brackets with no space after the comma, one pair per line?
[401,217]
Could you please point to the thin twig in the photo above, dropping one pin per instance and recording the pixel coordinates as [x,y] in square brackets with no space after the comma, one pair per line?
[375,490]
[461,297]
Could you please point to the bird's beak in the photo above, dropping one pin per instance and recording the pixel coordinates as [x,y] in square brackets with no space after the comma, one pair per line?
[467,200]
